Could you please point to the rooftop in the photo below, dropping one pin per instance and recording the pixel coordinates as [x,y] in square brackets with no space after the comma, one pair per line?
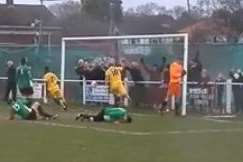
[24,15]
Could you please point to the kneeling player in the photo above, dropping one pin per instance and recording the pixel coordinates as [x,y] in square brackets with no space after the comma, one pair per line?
[114,115]
[53,88]
[29,111]
[115,84]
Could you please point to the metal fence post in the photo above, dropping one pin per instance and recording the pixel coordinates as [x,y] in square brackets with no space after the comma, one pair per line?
[45,93]
[126,86]
[84,91]
[229,96]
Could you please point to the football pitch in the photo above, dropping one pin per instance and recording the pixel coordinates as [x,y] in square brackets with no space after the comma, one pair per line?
[149,138]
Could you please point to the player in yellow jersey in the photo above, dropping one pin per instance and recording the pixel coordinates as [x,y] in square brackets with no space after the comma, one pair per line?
[53,88]
[113,78]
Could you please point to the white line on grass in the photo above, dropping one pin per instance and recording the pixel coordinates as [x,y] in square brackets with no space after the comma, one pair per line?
[143,115]
[137,133]
[217,120]
[221,116]
[123,132]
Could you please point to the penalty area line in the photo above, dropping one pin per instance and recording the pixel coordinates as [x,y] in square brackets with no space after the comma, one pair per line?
[218,120]
[133,133]
[140,133]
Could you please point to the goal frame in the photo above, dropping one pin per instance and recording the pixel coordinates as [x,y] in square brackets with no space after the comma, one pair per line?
[87,38]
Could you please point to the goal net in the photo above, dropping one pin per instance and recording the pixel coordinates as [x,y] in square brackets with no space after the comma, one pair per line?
[92,52]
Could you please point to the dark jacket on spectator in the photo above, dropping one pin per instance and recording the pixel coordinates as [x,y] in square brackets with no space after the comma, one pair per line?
[11,83]
[97,74]
[11,74]
[154,74]
[194,72]
[237,91]
[136,74]
[80,71]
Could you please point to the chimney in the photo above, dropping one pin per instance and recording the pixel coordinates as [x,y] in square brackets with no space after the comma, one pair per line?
[10,2]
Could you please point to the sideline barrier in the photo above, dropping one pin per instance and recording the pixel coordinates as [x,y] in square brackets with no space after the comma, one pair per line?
[201,96]
[39,87]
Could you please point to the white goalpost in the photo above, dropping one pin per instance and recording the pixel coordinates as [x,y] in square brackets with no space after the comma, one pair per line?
[183,36]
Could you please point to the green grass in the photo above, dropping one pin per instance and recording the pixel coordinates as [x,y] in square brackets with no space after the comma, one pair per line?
[89,142]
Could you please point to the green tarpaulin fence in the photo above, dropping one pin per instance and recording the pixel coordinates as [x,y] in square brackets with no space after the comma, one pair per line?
[215,58]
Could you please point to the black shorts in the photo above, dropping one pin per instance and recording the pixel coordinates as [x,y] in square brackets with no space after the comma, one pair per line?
[32,116]
[100,116]
[27,91]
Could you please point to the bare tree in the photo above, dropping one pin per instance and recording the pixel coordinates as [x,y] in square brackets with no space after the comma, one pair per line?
[65,9]
[189,7]
[147,9]
[177,11]
[74,23]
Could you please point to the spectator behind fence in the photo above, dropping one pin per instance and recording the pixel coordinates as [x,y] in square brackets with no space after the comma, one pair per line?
[241,90]
[206,99]
[11,82]
[154,92]
[98,72]
[164,64]
[154,71]
[124,72]
[205,78]
[80,69]
[220,91]
[95,69]
[194,70]
[138,91]
[237,89]
[194,75]
[135,72]
[87,69]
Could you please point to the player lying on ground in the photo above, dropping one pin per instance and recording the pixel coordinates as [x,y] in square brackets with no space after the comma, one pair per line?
[113,115]
[113,78]
[53,88]
[29,111]
[176,73]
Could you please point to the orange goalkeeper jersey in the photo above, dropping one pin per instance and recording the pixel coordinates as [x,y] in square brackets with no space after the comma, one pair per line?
[176,73]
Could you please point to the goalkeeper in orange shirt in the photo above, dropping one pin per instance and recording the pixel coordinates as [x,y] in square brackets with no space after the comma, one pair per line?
[53,88]
[176,73]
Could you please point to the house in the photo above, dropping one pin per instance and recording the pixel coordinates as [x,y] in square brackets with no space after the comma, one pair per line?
[159,24]
[139,25]
[26,24]
[209,31]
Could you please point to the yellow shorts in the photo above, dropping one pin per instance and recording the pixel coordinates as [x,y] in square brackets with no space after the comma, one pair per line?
[55,93]
[118,89]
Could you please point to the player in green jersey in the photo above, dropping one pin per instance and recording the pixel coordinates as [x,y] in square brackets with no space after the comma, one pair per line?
[24,78]
[109,114]
[29,111]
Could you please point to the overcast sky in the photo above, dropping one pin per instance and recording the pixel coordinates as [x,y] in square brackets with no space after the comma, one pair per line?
[126,3]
